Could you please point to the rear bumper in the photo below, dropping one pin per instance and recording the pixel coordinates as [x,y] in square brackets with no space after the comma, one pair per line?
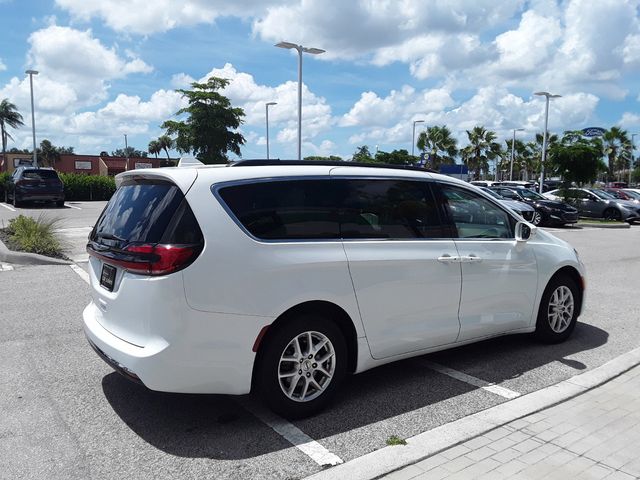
[213,354]
[34,196]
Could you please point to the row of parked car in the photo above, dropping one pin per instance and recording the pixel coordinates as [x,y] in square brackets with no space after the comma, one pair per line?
[565,206]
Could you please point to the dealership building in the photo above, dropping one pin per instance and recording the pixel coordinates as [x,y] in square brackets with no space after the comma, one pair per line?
[83,164]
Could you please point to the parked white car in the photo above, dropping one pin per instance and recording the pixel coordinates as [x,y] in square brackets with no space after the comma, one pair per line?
[286,277]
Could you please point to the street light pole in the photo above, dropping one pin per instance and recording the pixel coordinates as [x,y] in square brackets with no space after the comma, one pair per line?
[547,96]
[300,49]
[31,73]
[413,138]
[266,107]
[633,149]
[126,151]
[513,146]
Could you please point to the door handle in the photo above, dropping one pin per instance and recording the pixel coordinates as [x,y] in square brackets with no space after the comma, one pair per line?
[446,258]
[471,259]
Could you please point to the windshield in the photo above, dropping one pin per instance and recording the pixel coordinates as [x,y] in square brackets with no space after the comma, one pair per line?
[39,174]
[526,193]
[633,194]
[603,195]
[491,192]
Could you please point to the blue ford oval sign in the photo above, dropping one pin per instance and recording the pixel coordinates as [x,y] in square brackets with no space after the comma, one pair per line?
[593,131]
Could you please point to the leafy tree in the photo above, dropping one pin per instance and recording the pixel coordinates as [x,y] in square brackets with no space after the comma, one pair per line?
[481,150]
[207,130]
[616,147]
[49,154]
[165,142]
[577,162]
[9,117]
[362,155]
[129,152]
[20,150]
[438,146]
[396,157]
[154,148]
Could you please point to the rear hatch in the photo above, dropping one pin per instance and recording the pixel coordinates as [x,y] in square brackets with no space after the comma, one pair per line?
[145,235]
[40,181]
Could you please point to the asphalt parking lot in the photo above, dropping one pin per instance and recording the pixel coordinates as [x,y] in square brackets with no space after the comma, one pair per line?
[66,414]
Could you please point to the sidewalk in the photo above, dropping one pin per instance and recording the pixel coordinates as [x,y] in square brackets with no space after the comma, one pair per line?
[595,435]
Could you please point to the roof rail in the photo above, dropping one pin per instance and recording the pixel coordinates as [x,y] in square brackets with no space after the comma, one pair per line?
[329,163]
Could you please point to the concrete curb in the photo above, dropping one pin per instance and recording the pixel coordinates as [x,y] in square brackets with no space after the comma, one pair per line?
[23,258]
[388,459]
[604,225]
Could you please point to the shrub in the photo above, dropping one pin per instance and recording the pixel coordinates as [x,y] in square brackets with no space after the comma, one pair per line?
[35,235]
[4,178]
[87,187]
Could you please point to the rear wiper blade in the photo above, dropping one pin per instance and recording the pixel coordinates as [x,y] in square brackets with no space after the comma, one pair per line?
[110,236]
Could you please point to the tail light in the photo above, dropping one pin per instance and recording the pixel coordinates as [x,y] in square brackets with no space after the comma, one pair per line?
[149,259]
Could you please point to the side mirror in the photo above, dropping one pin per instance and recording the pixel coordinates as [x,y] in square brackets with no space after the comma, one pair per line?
[524,231]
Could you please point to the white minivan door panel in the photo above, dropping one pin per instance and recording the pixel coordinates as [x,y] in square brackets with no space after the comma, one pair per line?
[499,285]
[408,299]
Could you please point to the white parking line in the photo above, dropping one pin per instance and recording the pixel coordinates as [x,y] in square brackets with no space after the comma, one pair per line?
[8,207]
[293,435]
[81,273]
[5,267]
[476,382]
[72,206]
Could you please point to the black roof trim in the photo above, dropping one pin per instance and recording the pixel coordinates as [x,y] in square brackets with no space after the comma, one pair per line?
[329,163]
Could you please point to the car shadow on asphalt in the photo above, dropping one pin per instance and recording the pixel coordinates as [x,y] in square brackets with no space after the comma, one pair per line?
[215,426]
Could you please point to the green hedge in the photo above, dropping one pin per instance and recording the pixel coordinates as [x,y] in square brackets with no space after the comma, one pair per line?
[87,187]
[4,178]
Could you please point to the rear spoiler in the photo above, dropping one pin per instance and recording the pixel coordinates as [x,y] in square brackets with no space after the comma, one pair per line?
[189,162]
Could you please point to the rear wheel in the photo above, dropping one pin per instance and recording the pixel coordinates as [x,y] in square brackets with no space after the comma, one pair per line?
[559,310]
[60,203]
[302,365]
[16,202]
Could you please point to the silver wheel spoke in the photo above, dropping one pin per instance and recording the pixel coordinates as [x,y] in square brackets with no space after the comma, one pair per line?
[305,389]
[287,375]
[292,386]
[325,358]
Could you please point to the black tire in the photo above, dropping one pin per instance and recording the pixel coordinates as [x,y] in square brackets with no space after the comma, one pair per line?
[612,214]
[545,330]
[16,202]
[537,218]
[270,367]
[60,203]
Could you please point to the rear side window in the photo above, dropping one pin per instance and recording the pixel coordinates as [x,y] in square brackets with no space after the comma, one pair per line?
[282,210]
[147,212]
[393,209]
[40,175]
[335,208]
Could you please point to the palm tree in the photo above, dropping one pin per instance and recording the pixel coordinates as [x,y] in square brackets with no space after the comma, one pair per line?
[481,150]
[438,146]
[48,153]
[616,147]
[154,147]
[9,117]
[165,142]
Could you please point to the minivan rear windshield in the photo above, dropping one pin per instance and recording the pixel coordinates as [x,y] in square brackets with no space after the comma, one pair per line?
[139,212]
[39,174]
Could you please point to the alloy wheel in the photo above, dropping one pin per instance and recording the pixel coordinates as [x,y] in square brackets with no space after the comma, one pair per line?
[306,366]
[560,309]
[537,218]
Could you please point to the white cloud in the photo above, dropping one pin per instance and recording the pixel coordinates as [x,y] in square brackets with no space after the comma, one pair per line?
[525,49]
[2,66]
[181,80]
[139,17]
[244,92]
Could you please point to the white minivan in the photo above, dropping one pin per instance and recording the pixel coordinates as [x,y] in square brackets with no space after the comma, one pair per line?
[286,276]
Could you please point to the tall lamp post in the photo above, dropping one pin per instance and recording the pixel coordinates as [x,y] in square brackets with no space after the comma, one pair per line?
[266,107]
[633,149]
[300,49]
[413,138]
[126,151]
[513,147]
[547,96]
[31,73]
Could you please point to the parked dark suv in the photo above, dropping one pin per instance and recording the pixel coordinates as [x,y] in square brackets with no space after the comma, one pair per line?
[35,184]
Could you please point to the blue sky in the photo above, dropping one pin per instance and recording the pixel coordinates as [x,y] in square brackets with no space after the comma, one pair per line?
[109,67]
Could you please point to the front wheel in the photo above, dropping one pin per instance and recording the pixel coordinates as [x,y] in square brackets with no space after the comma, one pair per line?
[612,214]
[559,310]
[302,365]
